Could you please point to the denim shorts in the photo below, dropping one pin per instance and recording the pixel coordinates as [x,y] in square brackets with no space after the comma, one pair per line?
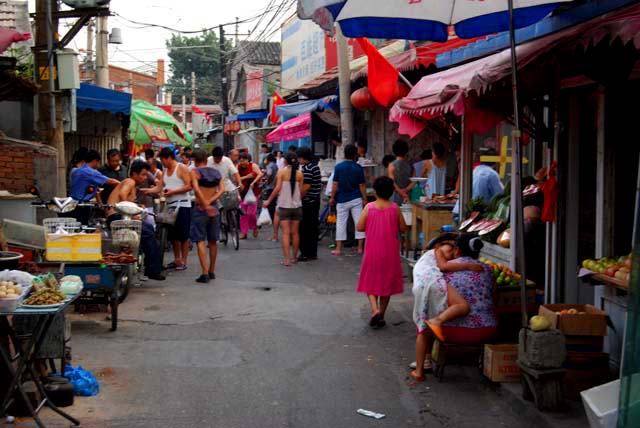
[180,230]
[203,227]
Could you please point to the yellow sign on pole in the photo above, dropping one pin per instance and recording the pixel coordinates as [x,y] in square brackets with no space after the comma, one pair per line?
[503,157]
[43,72]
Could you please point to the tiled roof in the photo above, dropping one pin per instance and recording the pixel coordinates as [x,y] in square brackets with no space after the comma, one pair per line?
[259,53]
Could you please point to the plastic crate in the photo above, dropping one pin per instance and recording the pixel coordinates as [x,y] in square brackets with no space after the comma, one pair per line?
[74,248]
[51,225]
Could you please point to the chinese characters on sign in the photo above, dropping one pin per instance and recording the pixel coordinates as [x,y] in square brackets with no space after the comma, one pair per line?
[303,53]
[255,85]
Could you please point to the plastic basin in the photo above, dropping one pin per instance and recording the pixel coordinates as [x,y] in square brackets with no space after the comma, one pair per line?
[601,404]
[9,260]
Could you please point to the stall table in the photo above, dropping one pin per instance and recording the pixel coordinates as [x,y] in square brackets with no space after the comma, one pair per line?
[431,216]
[26,349]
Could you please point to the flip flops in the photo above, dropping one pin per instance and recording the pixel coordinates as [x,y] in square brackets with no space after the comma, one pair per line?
[436,330]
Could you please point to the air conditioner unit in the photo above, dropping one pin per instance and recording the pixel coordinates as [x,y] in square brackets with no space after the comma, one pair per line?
[83,4]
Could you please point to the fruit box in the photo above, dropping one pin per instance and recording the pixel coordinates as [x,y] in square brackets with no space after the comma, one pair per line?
[500,363]
[593,322]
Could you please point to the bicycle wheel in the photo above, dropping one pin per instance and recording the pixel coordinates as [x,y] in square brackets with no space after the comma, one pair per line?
[233,229]
[224,232]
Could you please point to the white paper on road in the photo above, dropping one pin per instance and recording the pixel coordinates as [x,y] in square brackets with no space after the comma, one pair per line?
[370,414]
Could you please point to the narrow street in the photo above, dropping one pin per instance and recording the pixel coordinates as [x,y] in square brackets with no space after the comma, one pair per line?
[267,345]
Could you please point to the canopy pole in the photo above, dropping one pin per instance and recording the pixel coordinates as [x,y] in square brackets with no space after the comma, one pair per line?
[517,214]
[405,80]
[344,81]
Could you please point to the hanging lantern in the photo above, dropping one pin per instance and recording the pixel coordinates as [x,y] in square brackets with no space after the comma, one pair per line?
[363,101]
[402,90]
[236,126]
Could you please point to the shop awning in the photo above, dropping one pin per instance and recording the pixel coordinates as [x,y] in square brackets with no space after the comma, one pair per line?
[421,56]
[95,98]
[293,129]
[253,115]
[296,109]
[447,91]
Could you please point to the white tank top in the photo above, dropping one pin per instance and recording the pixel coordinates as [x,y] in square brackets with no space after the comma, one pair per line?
[172,182]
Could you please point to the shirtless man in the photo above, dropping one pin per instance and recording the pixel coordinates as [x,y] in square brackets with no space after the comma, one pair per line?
[127,191]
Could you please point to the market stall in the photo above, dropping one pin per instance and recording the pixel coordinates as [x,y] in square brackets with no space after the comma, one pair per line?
[152,125]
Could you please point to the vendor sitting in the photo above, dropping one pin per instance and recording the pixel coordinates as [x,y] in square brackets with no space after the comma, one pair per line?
[127,191]
[455,305]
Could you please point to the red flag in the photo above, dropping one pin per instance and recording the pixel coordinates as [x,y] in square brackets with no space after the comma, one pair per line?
[383,77]
[196,110]
[277,101]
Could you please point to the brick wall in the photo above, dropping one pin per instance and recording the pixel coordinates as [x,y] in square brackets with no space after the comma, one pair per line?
[22,163]
[145,86]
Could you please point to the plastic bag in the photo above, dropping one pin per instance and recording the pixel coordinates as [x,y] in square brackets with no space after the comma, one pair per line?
[265,218]
[84,382]
[250,198]
[21,278]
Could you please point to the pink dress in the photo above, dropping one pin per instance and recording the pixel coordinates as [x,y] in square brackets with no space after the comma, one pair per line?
[381,271]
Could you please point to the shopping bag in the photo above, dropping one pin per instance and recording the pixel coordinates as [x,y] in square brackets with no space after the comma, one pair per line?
[250,198]
[265,218]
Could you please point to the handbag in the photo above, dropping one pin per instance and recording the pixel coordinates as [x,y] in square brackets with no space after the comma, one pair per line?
[168,216]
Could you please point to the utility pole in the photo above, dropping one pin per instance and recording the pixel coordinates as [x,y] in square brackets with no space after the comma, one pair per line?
[50,127]
[102,53]
[184,111]
[223,92]
[237,30]
[88,63]
[193,88]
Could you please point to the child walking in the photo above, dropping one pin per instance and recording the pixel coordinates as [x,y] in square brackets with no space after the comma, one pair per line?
[381,271]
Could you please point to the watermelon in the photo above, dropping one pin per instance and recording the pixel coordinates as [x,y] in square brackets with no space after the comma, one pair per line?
[465,224]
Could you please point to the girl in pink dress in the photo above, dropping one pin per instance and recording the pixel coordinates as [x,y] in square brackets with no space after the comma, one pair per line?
[381,271]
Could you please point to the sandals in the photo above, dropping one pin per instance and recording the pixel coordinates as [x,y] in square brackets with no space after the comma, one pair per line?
[285,263]
[415,376]
[375,320]
[336,253]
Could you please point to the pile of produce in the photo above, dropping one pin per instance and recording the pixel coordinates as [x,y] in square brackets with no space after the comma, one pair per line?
[572,311]
[9,290]
[45,296]
[46,291]
[504,276]
[615,268]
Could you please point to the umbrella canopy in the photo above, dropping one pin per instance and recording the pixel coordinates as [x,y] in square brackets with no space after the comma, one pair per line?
[151,124]
[424,19]
[293,129]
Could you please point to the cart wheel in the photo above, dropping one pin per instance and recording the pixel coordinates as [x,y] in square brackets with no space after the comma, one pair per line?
[224,233]
[114,314]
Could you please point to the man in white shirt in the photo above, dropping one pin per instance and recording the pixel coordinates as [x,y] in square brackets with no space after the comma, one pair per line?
[225,167]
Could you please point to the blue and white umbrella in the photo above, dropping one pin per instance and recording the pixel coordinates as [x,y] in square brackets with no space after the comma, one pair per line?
[424,19]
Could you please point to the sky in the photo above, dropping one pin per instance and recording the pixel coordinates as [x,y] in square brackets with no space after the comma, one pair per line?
[143,46]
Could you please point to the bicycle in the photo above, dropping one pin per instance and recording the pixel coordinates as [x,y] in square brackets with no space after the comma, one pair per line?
[327,223]
[230,219]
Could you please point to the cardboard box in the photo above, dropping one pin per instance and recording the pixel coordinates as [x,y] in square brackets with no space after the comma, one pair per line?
[508,299]
[500,363]
[593,322]
[585,343]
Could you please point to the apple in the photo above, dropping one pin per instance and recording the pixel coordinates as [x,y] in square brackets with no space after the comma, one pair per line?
[627,263]
[572,311]
[610,271]
[620,275]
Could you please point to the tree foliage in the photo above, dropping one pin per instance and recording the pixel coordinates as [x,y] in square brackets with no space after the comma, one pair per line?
[203,59]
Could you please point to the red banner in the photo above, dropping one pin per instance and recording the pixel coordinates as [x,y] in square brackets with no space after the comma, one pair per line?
[255,85]
[331,51]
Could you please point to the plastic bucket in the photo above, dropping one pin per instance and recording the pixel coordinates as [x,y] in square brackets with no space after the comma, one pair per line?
[407,213]
[601,404]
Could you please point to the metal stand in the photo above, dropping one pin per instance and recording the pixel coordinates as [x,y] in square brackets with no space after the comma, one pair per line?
[24,353]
